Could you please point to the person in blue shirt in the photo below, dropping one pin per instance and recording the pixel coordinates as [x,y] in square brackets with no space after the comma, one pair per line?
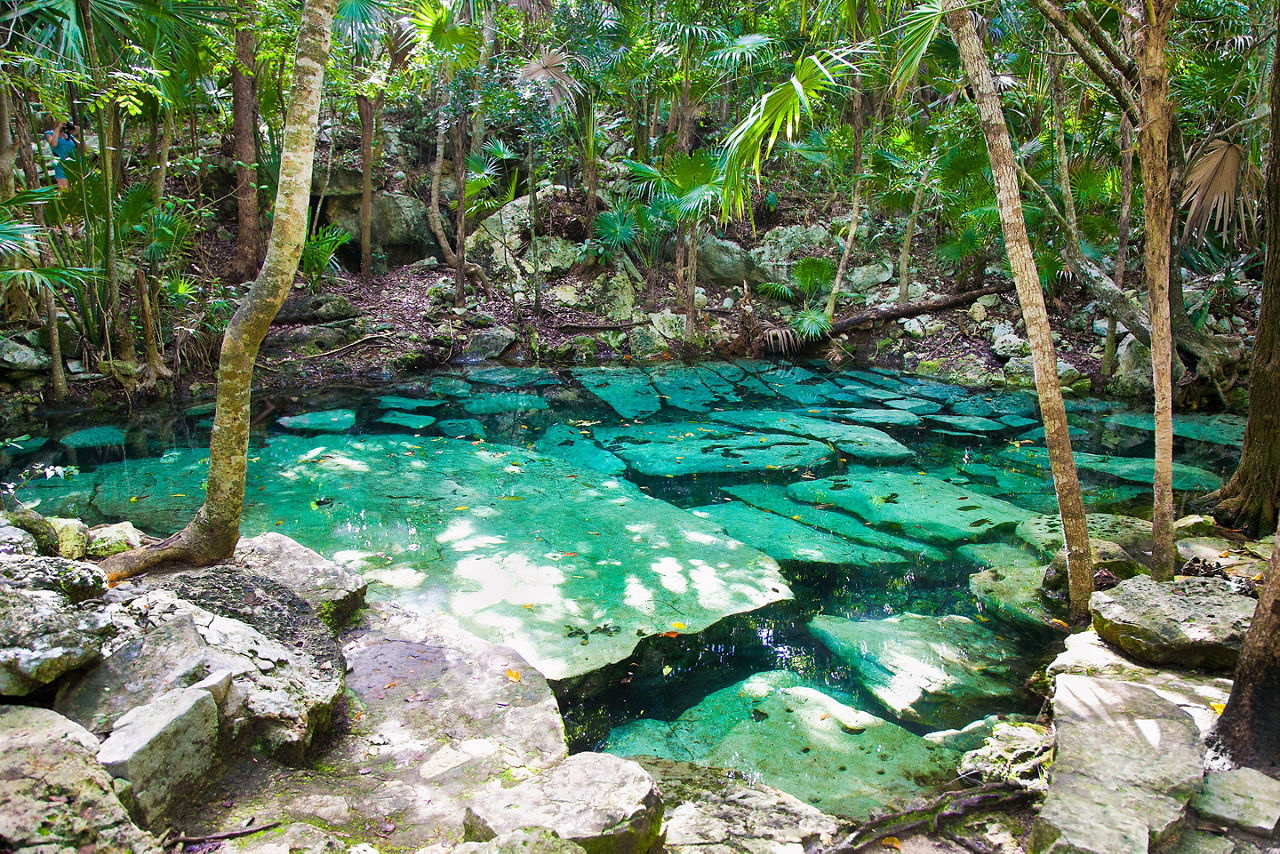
[62,142]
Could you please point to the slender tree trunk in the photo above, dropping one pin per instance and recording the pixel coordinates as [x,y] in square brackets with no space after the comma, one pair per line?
[433,209]
[8,150]
[909,233]
[1060,139]
[691,284]
[1249,729]
[682,255]
[684,133]
[213,533]
[1153,151]
[1250,498]
[161,173]
[488,34]
[460,223]
[1122,228]
[858,121]
[1021,260]
[367,109]
[154,367]
[244,111]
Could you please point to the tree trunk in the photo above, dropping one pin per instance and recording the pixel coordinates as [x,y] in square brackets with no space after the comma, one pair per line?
[897,310]
[154,367]
[213,533]
[1031,298]
[1122,236]
[1153,151]
[161,173]
[8,150]
[244,110]
[1250,498]
[858,121]
[909,233]
[460,221]
[366,109]
[1249,729]
[691,284]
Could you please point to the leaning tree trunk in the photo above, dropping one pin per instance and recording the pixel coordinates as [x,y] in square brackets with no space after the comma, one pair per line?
[244,109]
[1250,498]
[909,234]
[1153,153]
[213,533]
[1027,281]
[858,121]
[1249,729]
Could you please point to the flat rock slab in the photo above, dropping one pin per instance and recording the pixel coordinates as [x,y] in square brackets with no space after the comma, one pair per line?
[1133,469]
[1241,798]
[913,405]
[1044,533]
[329,421]
[406,419]
[999,556]
[333,592]
[1188,622]
[1012,595]
[499,404]
[942,673]
[863,443]
[915,505]
[684,387]
[576,446]
[451,386]
[871,417]
[774,498]
[1235,559]
[628,391]
[1127,763]
[775,728]
[513,377]
[94,437]
[623,813]
[797,384]
[524,549]
[410,404]
[723,810]
[785,539]
[685,448]
[461,428]
[1218,429]
[968,423]
[56,796]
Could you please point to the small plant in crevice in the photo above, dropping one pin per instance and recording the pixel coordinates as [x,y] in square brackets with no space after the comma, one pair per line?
[318,258]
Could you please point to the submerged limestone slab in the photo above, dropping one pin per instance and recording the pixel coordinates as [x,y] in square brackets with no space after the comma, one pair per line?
[872,417]
[575,446]
[503,403]
[94,437]
[915,505]
[968,423]
[513,377]
[328,421]
[461,428]
[864,443]
[406,419]
[800,740]
[1133,469]
[684,448]
[628,391]
[913,405]
[942,673]
[1221,429]
[785,539]
[451,386]
[998,555]
[744,382]
[408,404]
[774,499]
[1012,594]
[798,384]
[1044,533]
[523,549]
[682,386]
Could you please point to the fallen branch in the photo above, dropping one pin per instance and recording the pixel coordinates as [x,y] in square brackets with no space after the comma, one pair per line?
[597,326]
[227,834]
[328,352]
[900,310]
[946,807]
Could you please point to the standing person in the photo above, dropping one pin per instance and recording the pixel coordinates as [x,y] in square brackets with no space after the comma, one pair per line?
[62,142]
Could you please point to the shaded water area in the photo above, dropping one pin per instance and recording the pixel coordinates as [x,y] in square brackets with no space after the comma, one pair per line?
[721,563]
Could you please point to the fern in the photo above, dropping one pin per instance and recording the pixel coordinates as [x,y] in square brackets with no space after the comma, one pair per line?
[776,290]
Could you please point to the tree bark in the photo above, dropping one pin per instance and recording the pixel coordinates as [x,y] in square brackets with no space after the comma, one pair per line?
[1249,729]
[909,233]
[1027,282]
[1122,234]
[244,110]
[368,110]
[460,221]
[213,533]
[1250,499]
[1153,152]
[8,150]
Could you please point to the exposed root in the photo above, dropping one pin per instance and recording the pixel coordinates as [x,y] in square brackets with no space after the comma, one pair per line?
[189,547]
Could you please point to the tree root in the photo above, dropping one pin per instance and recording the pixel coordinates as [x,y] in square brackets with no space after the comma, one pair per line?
[947,807]
[188,547]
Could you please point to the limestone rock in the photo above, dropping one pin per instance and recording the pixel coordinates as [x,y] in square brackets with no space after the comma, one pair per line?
[488,343]
[18,355]
[76,580]
[1133,369]
[1013,595]
[323,421]
[107,540]
[860,442]
[684,448]
[1116,786]
[333,592]
[601,802]
[73,537]
[723,810]
[295,838]
[1044,533]
[56,797]
[780,247]
[787,539]
[723,262]
[532,839]
[311,308]
[1007,346]
[1014,752]
[938,672]
[164,749]
[1242,797]
[399,228]
[1188,622]
[15,541]
[1107,557]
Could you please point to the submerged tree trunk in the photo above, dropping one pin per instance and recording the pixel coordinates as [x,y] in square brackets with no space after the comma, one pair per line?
[1250,499]
[244,110]
[213,533]
[1153,151]
[1021,260]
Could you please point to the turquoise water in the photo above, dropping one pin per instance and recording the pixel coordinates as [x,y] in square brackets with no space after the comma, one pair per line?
[522,501]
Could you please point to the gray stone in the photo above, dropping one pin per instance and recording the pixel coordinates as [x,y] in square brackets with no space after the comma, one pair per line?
[598,801]
[164,749]
[1242,798]
[17,355]
[1106,557]
[106,540]
[1067,373]
[73,537]
[971,736]
[76,580]
[723,262]
[869,275]
[295,838]
[725,811]
[334,593]
[310,308]
[940,672]
[56,796]
[531,839]
[1044,533]
[1127,763]
[15,541]
[1016,752]
[43,635]
[488,343]
[780,247]
[1133,369]
[1007,346]
[1189,622]
[399,228]
[1012,595]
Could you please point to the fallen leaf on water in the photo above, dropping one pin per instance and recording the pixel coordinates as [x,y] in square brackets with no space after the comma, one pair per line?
[666,670]
[669,635]
[280,522]
[462,507]
[1060,624]
[513,675]
[1217,707]
[679,626]
[511,498]
[179,495]
[569,554]
[529,606]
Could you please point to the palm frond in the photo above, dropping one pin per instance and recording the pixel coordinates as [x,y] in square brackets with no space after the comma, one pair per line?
[551,68]
[1221,190]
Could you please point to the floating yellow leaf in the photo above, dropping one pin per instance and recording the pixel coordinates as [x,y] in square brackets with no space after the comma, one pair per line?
[133,498]
[679,626]
[179,495]
[513,675]
[463,507]
[279,521]
[666,670]
[511,498]
[1217,707]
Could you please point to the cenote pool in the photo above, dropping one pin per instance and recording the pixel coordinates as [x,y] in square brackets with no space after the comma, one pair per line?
[751,564]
